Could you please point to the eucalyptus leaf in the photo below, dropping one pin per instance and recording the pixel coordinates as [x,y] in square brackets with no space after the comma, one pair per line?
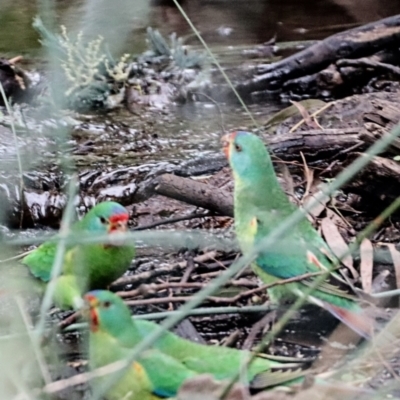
[290,111]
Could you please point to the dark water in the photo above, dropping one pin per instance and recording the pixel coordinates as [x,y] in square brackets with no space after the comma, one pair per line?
[228,22]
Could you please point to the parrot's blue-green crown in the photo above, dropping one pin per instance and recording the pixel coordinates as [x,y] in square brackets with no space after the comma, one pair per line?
[108,311]
[247,155]
[106,216]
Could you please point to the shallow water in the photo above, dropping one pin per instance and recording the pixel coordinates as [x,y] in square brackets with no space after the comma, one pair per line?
[191,130]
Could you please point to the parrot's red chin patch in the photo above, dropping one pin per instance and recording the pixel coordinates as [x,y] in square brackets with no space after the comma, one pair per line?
[226,143]
[94,320]
[92,312]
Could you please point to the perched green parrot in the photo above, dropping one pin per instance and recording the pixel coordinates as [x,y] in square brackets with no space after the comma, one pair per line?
[260,205]
[86,266]
[112,317]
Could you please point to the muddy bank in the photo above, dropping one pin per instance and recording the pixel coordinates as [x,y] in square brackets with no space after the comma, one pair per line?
[328,148]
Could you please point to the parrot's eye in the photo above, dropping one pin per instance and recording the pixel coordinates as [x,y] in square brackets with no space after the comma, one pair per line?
[106,304]
[103,220]
[238,148]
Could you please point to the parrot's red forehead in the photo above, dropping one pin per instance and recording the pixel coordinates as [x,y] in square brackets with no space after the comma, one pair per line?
[121,217]
[226,141]
[232,136]
[229,137]
[90,298]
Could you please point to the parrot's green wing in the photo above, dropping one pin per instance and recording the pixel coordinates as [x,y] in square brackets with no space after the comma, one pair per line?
[40,261]
[68,292]
[165,373]
[221,362]
[294,257]
[172,359]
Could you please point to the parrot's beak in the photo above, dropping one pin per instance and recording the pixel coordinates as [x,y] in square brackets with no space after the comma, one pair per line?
[226,141]
[118,223]
[90,311]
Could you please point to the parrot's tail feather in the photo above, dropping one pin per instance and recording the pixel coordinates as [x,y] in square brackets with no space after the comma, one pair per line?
[356,320]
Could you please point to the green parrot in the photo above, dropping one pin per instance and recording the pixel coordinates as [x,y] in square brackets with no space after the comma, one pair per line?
[109,312]
[85,266]
[153,375]
[260,205]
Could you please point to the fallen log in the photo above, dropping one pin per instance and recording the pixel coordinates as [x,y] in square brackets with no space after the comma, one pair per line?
[377,183]
[197,193]
[343,78]
[314,144]
[355,43]
[379,180]
[43,204]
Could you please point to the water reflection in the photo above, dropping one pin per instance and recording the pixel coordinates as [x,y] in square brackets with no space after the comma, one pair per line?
[123,22]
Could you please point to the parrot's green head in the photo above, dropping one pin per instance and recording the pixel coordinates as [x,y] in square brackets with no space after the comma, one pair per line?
[107,312]
[247,156]
[106,217]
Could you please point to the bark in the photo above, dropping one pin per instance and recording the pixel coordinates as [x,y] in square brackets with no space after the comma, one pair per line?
[196,193]
[377,183]
[359,42]
[345,77]
[314,144]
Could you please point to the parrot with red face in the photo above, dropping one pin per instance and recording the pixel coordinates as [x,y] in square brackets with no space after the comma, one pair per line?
[260,205]
[86,266]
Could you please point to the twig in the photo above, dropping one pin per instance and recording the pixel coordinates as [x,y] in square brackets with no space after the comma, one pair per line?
[187,273]
[175,299]
[145,290]
[148,289]
[15,59]
[17,257]
[194,192]
[222,300]
[149,275]
[231,339]
[84,377]
[173,220]
[69,320]
[367,63]
[212,274]
[256,328]
[344,151]
[216,265]
[308,174]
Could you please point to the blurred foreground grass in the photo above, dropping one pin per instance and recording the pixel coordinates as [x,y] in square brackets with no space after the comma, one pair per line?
[26,359]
